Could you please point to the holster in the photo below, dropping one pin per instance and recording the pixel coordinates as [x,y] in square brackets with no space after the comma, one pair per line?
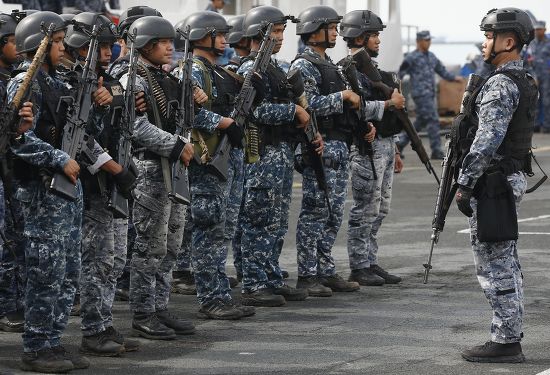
[497,219]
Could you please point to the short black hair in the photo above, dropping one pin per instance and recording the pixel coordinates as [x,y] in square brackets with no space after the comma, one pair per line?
[514,35]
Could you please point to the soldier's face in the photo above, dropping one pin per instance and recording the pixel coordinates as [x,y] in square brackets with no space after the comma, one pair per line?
[277,32]
[161,52]
[320,35]
[373,42]
[219,42]
[9,53]
[539,33]
[57,49]
[105,54]
[487,45]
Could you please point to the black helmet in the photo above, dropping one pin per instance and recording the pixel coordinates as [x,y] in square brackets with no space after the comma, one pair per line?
[133,13]
[509,19]
[179,41]
[29,31]
[357,22]
[81,27]
[18,15]
[204,23]
[68,17]
[149,28]
[256,19]
[236,33]
[7,26]
[313,18]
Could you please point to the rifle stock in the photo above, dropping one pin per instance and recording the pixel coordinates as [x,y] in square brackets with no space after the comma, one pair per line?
[365,65]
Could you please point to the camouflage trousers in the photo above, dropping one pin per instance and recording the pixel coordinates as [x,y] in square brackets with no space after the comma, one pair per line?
[53,235]
[125,236]
[544,100]
[317,229]
[371,201]
[12,259]
[101,265]
[183,262]
[208,249]
[499,274]
[159,227]
[121,248]
[286,197]
[234,194]
[426,116]
[262,217]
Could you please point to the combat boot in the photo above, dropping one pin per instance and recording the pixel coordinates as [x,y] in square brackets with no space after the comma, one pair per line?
[184,283]
[313,287]
[263,297]
[13,322]
[148,325]
[337,284]
[129,344]
[493,352]
[101,345]
[75,310]
[221,310]
[290,293]
[79,361]
[285,274]
[246,310]
[233,281]
[45,360]
[181,327]
[122,294]
[388,277]
[366,277]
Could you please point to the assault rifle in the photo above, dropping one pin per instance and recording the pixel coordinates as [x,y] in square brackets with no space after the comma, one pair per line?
[118,204]
[243,103]
[75,139]
[364,64]
[179,187]
[350,72]
[316,160]
[448,186]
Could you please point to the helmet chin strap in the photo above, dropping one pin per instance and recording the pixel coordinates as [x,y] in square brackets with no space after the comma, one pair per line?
[325,43]
[212,48]
[494,54]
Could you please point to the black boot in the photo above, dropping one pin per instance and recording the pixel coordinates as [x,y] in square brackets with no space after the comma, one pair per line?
[313,287]
[101,345]
[218,309]
[148,325]
[233,281]
[493,352]
[75,310]
[79,361]
[129,344]
[246,310]
[366,277]
[181,327]
[290,293]
[13,322]
[338,284]
[45,360]
[388,277]
[284,274]
[184,284]
[122,294]
[262,297]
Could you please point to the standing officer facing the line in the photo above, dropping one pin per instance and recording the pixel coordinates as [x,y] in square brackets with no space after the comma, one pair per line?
[499,128]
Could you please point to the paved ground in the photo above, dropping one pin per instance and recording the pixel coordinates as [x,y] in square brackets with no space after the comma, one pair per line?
[407,329]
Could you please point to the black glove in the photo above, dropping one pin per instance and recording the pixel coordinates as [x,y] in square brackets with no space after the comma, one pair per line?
[126,181]
[235,134]
[462,197]
[259,86]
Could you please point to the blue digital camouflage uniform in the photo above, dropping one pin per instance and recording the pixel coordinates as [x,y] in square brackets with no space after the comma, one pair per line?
[263,208]
[540,52]
[208,212]
[497,263]
[371,197]
[421,67]
[53,234]
[158,221]
[316,231]
[55,6]
[94,6]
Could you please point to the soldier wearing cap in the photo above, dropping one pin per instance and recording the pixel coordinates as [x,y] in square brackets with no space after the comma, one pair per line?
[421,64]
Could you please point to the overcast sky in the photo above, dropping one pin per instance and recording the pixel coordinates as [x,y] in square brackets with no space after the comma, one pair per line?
[460,19]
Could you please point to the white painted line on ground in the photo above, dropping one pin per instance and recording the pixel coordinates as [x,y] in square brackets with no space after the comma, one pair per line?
[545,372]
[541,217]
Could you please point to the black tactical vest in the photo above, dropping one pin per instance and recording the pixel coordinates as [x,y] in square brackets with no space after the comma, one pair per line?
[390,124]
[53,113]
[337,126]
[517,144]
[166,90]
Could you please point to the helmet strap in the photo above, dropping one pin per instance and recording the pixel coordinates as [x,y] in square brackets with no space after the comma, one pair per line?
[325,43]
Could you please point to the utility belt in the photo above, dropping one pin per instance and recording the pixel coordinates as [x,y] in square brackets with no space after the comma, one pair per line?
[510,166]
[337,135]
[271,135]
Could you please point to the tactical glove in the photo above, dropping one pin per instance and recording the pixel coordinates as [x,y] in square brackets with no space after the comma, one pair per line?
[235,134]
[462,197]
[126,180]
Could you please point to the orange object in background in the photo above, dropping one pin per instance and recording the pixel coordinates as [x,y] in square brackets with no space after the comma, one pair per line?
[450,97]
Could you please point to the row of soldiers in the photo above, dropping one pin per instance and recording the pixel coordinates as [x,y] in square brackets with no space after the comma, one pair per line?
[56,243]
